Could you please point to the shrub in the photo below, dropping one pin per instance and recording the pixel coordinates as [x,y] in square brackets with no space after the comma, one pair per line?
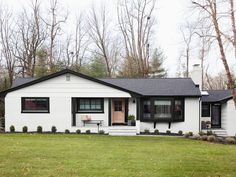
[1,130]
[156,131]
[180,132]
[12,129]
[230,140]
[131,117]
[87,131]
[203,138]
[211,138]
[168,132]
[190,133]
[67,131]
[186,135]
[146,131]
[209,133]
[220,139]
[196,137]
[25,129]
[78,131]
[101,132]
[54,129]
[39,129]
[201,133]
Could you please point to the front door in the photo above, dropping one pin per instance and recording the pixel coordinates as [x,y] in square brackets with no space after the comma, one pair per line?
[216,116]
[118,107]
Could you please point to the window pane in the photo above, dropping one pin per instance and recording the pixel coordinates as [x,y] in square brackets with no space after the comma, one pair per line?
[90,105]
[118,105]
[147,109]
[178,110]
[35,105]
[162,109]
[205,110]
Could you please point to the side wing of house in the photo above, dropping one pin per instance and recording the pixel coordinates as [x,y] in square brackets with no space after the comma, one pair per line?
[52,102]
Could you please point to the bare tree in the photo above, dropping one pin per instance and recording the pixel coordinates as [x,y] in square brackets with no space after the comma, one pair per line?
[100,35]
[209,8]
[29,36]
[6,40]
[54,27]
[136,23]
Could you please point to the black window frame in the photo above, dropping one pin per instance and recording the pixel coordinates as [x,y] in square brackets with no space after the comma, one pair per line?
[35,111]
[92,111]
[208,114]
[169,119]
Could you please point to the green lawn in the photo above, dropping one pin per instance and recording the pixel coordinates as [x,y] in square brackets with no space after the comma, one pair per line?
[97,155]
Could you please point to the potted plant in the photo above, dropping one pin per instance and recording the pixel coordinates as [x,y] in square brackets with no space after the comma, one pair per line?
[208,124]
[131,120]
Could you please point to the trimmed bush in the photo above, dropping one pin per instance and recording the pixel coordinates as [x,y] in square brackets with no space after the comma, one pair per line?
[146,131]
[190,133]
[156,131]
[209,132]
[230,140]
[25,129]
[211,138]
[39,129]
[220,139]
[67,131]
[101,132]
[201,133]
[168,132]
[87,131]
[78,131]
[12,129]
[54,129]
[203,138]
[180,132]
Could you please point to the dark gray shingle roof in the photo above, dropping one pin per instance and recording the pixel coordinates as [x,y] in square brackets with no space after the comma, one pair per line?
[216,95]
[158,86]
[21,81]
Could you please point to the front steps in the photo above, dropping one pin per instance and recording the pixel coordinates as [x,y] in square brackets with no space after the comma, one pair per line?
[219,132]
[122,131]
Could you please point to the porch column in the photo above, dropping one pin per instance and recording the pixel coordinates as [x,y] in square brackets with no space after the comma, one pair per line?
[109,111]
[73,110]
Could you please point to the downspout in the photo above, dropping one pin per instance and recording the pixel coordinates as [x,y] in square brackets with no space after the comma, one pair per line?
[199,114]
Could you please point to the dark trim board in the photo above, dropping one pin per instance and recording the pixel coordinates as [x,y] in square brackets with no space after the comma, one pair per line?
[212,116]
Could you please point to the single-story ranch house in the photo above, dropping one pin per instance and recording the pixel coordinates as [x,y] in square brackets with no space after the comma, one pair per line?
[71,100]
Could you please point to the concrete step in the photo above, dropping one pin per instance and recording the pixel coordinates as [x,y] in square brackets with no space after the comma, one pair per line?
[122,131]
[220,132]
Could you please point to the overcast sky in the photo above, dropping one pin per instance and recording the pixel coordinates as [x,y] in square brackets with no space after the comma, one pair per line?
[170,15]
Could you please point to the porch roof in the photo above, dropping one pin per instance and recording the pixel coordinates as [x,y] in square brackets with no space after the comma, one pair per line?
[217,95]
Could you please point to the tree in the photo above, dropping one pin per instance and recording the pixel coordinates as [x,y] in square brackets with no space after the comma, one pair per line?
[157,69]
[209,10]
[41,64]
[136,23]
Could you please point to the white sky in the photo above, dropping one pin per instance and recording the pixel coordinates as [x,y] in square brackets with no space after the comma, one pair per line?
[170,14]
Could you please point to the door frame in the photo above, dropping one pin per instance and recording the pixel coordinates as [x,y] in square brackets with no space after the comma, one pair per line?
[219,109]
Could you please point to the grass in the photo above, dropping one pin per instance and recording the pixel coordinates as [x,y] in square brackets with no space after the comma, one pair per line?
[98,155]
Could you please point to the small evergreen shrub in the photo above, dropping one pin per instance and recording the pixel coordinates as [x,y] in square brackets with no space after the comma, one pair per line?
[87,131]
[2,130]
[78,131]
[25,129]
[12,129]
[211,138]
[168,132]
[196,137]
[186,135]
[67,131]
[209,133]
[156,131]
[101,132]
[146,131]
[230,140]
[220,139]
[180,132]
[204,138]
[39,129]
[54,129]
[201,133]
[190,133]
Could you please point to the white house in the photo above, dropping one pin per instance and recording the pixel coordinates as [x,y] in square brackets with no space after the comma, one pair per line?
[71,100]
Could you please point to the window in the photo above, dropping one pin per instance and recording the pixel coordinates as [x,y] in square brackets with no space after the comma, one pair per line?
[163,109]
[147,109]
[35,105]
[117,105]
[90,105]
[205,110]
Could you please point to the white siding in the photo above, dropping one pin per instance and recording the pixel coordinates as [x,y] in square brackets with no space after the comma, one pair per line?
[230,119]
[191,122]
[224,116]
[132,107]
[60,92]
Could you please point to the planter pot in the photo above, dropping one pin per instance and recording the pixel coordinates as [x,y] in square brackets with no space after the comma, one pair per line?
[129,122]
[133,123]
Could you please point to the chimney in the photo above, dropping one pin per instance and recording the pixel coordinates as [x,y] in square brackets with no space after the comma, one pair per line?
[196,75]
